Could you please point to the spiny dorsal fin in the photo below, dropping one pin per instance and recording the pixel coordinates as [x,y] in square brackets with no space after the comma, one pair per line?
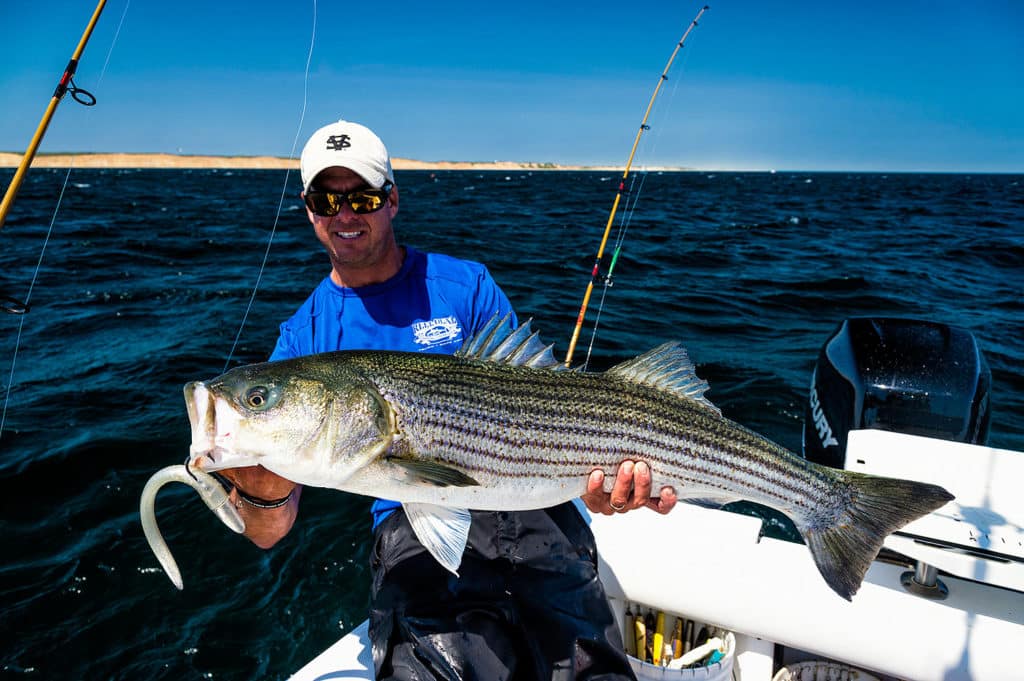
[499,342]
[666,367]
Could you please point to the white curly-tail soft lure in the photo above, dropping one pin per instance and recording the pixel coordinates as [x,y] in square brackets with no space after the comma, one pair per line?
[211,493]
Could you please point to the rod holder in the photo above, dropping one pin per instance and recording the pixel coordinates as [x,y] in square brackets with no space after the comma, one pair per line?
[924,581]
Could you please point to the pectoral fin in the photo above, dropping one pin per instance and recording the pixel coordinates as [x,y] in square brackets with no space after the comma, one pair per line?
[432,473]
[443,532]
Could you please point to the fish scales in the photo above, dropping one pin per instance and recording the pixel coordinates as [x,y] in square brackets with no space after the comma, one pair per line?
[547,424]
[627,443]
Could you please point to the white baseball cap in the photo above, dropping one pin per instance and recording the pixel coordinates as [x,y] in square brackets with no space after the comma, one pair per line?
[346,145]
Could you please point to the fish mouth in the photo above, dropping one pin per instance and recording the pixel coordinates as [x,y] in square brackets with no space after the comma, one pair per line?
[216,430]
[207,451]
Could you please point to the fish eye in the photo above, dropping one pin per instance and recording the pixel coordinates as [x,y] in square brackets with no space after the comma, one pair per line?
[257,397]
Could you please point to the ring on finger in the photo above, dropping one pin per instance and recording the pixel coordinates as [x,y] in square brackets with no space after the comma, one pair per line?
[617,507]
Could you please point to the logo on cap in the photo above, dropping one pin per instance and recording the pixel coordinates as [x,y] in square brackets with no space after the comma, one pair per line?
[338,142]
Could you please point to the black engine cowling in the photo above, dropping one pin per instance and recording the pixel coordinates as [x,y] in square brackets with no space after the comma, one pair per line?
[902,375]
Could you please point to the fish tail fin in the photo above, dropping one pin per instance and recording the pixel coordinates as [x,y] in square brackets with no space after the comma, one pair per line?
[845,544]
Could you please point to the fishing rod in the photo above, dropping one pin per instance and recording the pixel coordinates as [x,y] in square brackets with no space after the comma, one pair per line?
[65,85]
[618,195]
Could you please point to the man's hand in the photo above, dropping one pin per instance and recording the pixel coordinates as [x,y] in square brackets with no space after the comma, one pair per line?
[264,527]
[632,489]
[257,481]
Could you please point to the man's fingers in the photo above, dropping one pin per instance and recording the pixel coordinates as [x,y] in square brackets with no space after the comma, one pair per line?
[259,482]
[641,484]
[620,495]
[595,498]
[630,490]
[664,502]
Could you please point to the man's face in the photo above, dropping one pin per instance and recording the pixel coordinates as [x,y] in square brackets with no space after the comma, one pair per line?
[362,247]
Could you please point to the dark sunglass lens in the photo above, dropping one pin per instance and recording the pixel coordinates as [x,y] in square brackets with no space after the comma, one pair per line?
[324,204]
[366,201]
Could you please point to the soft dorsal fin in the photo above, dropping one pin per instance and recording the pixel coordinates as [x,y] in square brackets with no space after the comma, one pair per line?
[666,367]
[499,342]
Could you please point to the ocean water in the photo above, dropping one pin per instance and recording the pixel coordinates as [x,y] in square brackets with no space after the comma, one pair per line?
[147,275]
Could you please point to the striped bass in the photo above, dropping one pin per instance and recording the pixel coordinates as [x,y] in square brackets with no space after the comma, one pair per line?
[499,426]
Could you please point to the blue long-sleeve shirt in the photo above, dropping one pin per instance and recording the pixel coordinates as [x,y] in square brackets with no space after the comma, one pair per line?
[432,304]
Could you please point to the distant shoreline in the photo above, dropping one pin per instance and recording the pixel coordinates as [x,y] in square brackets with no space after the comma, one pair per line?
[10,159]
[108,160]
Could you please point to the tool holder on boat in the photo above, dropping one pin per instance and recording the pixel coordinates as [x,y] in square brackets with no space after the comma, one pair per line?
[901,375]
[665,646]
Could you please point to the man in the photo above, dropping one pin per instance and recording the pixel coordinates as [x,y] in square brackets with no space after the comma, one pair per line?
[527,603]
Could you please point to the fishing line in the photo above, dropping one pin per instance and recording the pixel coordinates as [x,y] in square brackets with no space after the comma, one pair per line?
[633,195]
[284,190]
[620,237]
[53,218]
[633,192]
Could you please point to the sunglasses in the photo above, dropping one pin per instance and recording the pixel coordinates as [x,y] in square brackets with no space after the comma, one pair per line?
[361,201]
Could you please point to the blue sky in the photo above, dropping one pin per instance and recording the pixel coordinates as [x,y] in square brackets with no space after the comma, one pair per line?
[933,86]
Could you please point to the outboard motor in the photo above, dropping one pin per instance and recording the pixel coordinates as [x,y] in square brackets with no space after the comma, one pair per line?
[901,375]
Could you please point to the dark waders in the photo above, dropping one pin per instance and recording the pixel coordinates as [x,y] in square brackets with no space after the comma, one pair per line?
[527,605]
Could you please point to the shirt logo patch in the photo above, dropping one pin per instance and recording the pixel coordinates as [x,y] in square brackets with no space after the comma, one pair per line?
[441,331]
